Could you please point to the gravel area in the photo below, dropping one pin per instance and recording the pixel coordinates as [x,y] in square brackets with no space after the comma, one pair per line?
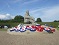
[28,39]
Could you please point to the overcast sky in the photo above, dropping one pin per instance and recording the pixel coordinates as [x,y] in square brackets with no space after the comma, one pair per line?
[47,10]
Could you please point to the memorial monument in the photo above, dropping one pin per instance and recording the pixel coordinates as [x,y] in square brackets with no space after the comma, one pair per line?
[28,19]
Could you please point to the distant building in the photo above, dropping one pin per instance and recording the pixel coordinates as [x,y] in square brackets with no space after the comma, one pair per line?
[28,18]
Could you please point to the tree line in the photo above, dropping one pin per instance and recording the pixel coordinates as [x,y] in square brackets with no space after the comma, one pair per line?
[56,20]
[17,19]
[20,19]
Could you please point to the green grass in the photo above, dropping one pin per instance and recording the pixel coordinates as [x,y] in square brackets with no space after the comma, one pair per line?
[3,29]
[11,24]
[54,24]
[57,28]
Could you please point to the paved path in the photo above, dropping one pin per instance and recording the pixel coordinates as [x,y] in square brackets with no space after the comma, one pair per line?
[39,39]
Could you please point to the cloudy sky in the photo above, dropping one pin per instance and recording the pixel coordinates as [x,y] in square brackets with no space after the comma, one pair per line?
[47,10]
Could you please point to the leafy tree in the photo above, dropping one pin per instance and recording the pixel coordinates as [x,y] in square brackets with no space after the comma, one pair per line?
[38,20]
[19,18]
[56,20]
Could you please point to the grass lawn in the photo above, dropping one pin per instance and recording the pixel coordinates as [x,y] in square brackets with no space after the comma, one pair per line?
[57,28]
[3,29]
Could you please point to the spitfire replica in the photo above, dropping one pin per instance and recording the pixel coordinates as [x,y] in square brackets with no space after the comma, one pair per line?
[31,26]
